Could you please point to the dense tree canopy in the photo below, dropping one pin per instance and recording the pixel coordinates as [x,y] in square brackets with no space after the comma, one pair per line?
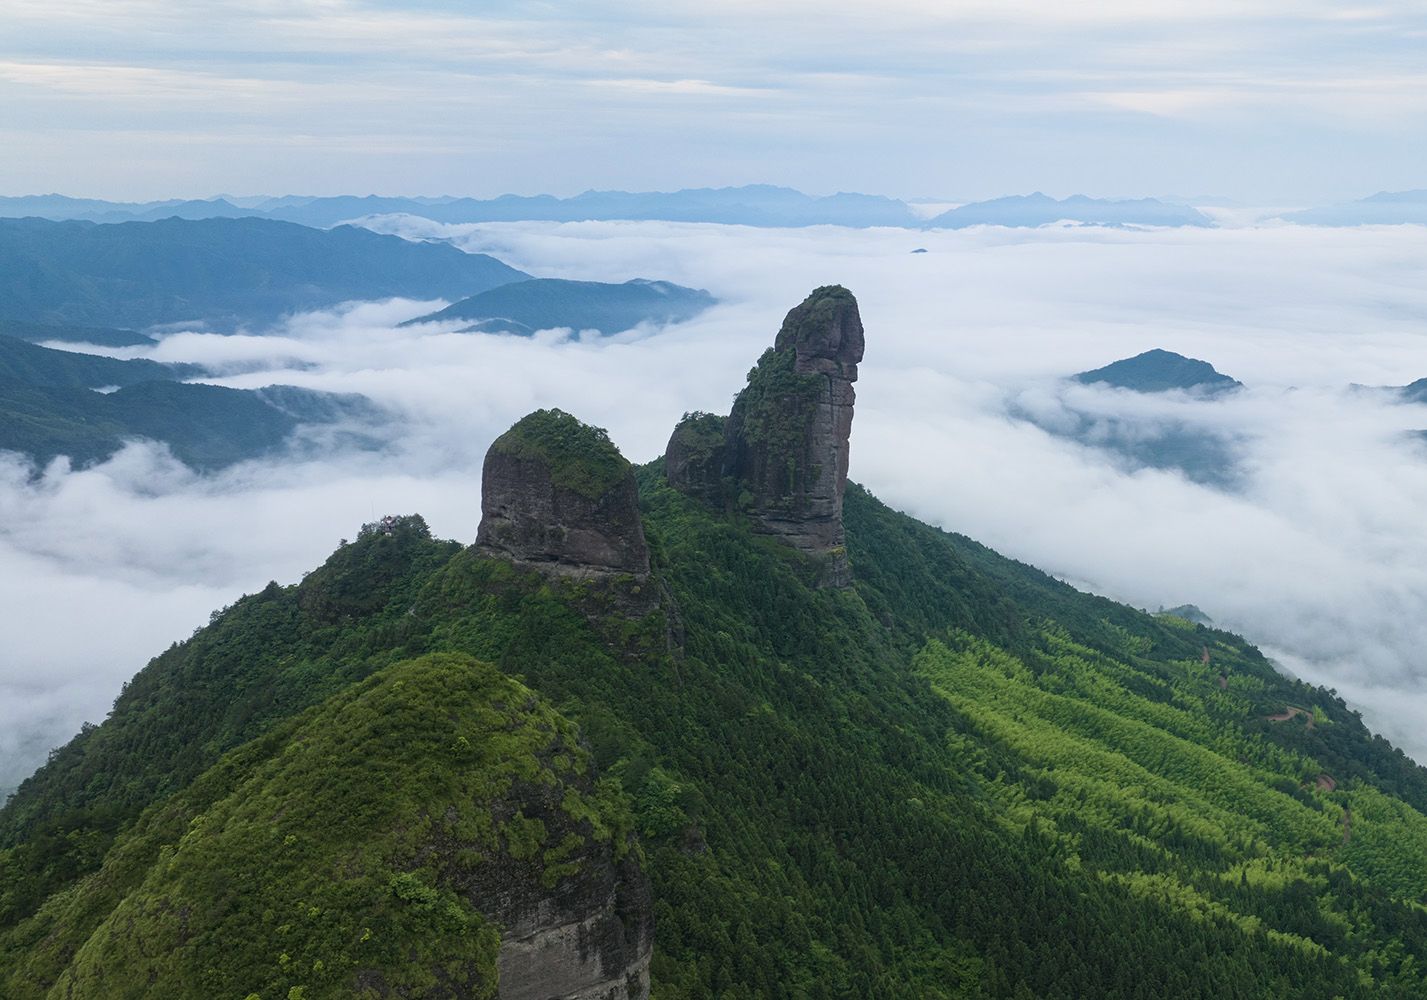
[958,778]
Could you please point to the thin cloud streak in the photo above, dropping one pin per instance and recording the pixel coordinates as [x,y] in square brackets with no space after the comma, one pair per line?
[915,98]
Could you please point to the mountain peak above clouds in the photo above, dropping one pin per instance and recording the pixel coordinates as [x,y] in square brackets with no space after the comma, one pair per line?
[1158,370]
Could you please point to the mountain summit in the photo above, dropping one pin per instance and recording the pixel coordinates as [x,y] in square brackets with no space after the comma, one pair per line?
[782,455]
[1159,370]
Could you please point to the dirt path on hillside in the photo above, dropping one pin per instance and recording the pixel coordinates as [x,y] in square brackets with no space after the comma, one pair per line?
[1289,713]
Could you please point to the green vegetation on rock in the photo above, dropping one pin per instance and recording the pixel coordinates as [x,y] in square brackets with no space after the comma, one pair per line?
[814,317]
[958,778]
[772,415]
[700,434]
[331,854]
[581,458]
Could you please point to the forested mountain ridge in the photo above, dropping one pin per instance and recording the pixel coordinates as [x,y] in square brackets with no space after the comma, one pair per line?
[21,361]
[206,427]
[218,271]
[36,333]
[944,774]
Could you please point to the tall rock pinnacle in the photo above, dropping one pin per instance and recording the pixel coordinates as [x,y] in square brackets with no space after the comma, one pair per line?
[557,495]
[782,458]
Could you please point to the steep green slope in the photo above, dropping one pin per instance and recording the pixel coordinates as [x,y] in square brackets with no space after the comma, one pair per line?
[218,271]
[344,853]
[959,778]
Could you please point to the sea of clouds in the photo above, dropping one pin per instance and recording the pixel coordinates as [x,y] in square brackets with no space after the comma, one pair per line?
[1318,553]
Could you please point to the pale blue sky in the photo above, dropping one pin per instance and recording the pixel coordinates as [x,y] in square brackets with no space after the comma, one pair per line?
[1262,100]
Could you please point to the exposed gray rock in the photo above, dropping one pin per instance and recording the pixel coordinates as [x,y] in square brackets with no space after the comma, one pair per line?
[787,438]
[557,496]
[587,937]
[586,934]
[696,457]
[592,946]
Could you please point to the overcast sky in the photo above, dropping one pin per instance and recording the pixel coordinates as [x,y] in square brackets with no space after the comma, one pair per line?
[1264,100]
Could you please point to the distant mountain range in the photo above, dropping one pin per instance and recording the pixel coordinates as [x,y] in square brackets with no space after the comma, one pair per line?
[1039,210]
[1161,371]
[1384,208]
[49,407]
[751,205]
[218,271]
[522,307]
[763,205]
[1166,438]
[754,205]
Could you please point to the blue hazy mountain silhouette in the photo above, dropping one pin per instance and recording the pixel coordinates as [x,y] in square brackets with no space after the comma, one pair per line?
[523,307]
[218,271]
[1159,370]
[49,407]
[1384,208]
[1038,209]
[751,205]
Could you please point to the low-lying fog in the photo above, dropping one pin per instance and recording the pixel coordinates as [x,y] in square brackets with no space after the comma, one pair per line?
[1320,556]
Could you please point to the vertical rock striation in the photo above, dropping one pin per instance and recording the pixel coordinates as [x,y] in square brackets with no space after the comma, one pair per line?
[556,495]
[784,452]
[590,940]
[587,935]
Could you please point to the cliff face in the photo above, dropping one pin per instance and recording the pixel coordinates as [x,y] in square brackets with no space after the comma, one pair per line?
[576,919]
[557,496]
[784,453]
[590,937]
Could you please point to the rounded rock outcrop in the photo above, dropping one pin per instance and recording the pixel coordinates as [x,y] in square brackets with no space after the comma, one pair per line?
[556,495]
[695,457]
[825,333]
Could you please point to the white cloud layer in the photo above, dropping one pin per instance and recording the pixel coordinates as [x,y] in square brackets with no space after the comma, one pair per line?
[1321,557]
